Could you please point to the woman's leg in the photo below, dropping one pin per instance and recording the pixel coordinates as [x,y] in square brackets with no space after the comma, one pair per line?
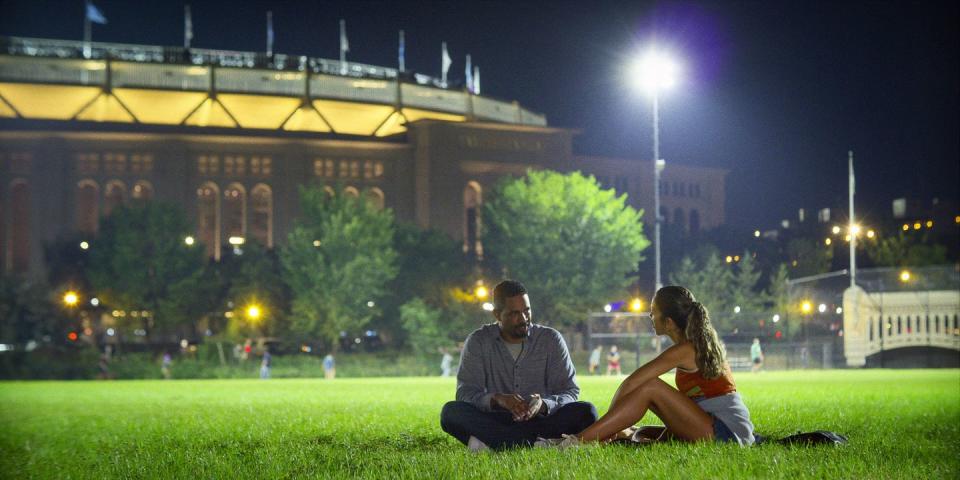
[680,414]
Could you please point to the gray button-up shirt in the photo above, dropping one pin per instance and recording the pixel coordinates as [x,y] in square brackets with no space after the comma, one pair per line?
[543,367]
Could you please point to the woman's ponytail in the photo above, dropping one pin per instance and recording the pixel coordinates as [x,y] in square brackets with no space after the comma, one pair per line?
[710,354]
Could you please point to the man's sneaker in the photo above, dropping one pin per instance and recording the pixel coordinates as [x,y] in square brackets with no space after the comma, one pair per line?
[547,442]
[568,441]
[475,445]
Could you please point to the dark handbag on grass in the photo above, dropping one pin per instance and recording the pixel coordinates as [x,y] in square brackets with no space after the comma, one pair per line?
[818,437]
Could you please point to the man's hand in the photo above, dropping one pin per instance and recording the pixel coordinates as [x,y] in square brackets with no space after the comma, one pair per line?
[533,408]
[510,402]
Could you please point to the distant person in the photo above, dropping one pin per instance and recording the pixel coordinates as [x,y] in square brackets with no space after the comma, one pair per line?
[613,361]
[247,350]
[329,367]
[594,363]
[516,381]
[103,366]
[446,363]
[265,364]
[165,365]
[237,352]
[704,406]
[756,356]
[804,356]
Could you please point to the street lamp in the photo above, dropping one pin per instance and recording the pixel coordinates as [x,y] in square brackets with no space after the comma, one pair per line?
[654,72]
[70,298]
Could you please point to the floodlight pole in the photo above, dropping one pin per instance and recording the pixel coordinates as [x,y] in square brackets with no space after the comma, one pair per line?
[853,234]
[658,283]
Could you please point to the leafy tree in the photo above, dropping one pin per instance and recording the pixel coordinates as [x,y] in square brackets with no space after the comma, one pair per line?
[808,257]
[430,328]
[744,291]
[722,287]
[430,263]
[572,243]
[709,278]
[256,279]
[139,261]
[778,293]
[339,257]
[905,250]
[27,312]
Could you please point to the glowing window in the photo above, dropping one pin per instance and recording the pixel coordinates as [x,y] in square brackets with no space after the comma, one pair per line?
[114,196]
[208,218]
[234,211]
[261,221]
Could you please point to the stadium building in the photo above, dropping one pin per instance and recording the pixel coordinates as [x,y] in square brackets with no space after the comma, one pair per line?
[230,135]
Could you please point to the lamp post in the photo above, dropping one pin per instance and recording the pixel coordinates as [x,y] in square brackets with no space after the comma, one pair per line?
[655,72]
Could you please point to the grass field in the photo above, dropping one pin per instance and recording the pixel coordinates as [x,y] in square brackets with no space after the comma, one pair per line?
[901,424]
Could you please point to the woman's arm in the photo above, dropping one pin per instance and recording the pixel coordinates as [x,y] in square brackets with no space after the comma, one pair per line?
[682,353]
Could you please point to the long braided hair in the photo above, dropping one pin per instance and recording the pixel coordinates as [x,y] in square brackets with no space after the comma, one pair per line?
[693,320]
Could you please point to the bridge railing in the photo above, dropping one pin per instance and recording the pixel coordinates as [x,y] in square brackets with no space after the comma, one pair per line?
[890,309]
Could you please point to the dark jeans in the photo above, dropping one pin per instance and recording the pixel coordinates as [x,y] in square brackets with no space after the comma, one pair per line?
[498,430]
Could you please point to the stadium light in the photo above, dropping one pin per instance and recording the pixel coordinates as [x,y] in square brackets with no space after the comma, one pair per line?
[652,72]
[188,240]
[636,305]
[905,276]
[481,291]
[254,312]
[70,298]
[806,306]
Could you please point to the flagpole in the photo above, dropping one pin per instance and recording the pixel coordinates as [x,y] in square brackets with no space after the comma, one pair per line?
[851,230]
[86,32]
[269,33]
[187,27]
[402,62]
[343,51]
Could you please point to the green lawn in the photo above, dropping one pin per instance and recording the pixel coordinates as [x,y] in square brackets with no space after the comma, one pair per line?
[901,424]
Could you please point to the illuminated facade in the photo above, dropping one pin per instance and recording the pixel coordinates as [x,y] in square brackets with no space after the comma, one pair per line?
[230,135]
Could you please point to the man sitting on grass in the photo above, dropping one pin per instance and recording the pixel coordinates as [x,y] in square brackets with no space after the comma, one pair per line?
[516,381]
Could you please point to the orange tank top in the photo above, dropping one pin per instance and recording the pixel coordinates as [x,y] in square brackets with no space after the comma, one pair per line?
[693,385]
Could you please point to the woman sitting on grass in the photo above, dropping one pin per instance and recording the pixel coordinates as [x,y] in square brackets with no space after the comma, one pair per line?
[707,405]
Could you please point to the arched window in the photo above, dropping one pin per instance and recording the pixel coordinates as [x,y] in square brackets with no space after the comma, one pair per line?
[351,192]
[329,191]
[88,206]
[114,195]
[234,211]
[142,192]
[20,226]
[208,218]
[472,203]
[680,219]
[694,221]
[375,197]
[261,220]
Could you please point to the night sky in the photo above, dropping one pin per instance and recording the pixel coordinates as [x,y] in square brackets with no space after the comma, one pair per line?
[775,92]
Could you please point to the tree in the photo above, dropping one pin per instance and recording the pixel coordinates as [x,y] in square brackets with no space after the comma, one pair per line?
[722,287]
[430,328]
[906,250]
[255,280]
[808,257]
[140,261]
[572,243]
[27,312]
[709,278]
[429,264]
[339,257]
